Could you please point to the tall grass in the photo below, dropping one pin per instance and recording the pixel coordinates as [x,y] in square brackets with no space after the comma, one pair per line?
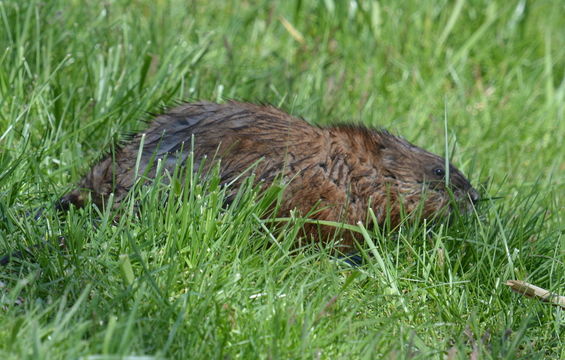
[181,275]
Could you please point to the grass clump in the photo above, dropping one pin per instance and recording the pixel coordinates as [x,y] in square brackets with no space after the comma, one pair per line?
[187,276]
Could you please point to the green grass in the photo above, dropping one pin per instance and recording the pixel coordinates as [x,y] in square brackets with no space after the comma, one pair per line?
[189,278]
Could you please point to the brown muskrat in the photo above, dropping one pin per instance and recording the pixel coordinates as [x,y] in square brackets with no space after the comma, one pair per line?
[338,170]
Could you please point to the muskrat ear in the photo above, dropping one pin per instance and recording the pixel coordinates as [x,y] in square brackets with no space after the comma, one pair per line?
[389,148]
[389,156]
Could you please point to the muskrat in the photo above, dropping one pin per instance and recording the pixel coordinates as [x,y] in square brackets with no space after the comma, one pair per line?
[340,171]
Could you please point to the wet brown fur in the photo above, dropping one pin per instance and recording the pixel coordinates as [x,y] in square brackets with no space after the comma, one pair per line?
[340,171]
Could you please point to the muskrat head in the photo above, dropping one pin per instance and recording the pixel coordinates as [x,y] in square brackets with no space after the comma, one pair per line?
[418,181]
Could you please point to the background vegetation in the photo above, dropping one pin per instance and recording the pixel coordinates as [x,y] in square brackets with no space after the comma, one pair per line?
[187,278]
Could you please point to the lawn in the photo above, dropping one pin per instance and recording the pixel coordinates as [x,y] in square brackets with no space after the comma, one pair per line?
[191,277]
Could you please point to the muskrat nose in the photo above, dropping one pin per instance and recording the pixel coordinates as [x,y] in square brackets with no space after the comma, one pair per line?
[474,196]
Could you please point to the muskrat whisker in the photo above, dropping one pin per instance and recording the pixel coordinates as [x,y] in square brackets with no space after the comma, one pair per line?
[491,198]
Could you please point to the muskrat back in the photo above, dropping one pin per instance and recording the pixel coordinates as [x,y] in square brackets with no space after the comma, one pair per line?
[339,170]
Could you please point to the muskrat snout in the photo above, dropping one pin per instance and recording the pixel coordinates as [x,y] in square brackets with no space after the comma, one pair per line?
[466,200]
[473,196]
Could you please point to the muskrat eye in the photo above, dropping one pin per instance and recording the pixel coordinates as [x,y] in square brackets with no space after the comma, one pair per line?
[439,172]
